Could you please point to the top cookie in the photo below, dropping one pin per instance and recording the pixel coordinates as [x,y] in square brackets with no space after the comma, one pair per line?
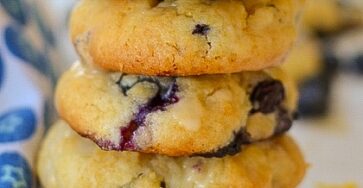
[184,37]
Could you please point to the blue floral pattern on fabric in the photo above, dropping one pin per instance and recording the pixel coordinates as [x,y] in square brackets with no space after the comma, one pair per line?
[15,10]
[17,125]
[21,48]
[14,171]
[43,28]
[2,72]
[27,55]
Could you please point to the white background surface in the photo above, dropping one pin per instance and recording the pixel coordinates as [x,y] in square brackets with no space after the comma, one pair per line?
[333,146]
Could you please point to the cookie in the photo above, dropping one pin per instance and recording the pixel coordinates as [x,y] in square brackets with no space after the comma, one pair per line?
[68,160]
[327,18]
[305,59]
[184,37]
[322,15]
[210,115]
[313,66]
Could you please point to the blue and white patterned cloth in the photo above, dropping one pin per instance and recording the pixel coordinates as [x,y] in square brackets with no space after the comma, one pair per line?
[27,78]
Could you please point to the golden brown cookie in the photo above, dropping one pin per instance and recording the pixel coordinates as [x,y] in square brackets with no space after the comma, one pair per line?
[305,60]
[68,160]
[210,115]
[184,37]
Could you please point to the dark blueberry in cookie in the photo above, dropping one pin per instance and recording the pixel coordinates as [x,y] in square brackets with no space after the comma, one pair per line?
[123,86]
[126,135]
[284,121]
[267,96]
[103,144]
[162,184]
[126,142]
[234,147]
[201,29]
[126,86]
[162,99]
[162,86]
[164,96]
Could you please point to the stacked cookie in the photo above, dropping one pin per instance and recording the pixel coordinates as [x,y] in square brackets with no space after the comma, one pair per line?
[182,91]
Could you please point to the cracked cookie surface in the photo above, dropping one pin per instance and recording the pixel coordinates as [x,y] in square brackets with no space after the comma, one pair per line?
[68,160]
[210,115]
[184,37]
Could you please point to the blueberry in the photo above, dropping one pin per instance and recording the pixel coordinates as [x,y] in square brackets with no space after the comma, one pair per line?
[126,135]
[284,122]
[201,29]
[103,144]
[267,96]
[126,86]
[165,96]
[234,147]
[242,137]
[162,184]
